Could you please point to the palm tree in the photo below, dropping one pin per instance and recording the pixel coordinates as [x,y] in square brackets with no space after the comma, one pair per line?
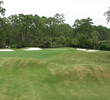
[2,10]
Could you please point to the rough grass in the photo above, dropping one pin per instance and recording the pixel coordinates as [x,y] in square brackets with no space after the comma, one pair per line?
[55,74]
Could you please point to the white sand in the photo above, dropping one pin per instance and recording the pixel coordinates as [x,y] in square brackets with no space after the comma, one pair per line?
[81,49]
[91,50]
[87,50]
[6,50]
[29,49]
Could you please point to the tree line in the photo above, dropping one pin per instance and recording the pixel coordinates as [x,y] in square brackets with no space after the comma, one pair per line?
[21,30]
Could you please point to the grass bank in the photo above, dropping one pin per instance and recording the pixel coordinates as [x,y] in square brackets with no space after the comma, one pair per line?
[55,74]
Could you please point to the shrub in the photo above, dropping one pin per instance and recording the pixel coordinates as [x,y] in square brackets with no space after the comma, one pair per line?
[104,46]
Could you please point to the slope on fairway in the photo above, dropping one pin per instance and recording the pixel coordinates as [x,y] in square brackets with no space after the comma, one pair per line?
[55,74]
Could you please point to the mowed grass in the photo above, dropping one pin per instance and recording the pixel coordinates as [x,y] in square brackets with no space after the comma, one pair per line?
[55,74]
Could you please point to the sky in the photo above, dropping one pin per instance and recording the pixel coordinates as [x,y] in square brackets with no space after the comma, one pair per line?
[72,9]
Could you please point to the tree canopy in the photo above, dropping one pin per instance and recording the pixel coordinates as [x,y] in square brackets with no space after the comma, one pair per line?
[107,14]
[2,10]
[21,30]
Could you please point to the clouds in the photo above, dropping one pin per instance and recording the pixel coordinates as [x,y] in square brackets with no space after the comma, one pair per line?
[72,9]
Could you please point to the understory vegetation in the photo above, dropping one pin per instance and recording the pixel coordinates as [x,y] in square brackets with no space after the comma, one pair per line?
[55,74]
[17,31]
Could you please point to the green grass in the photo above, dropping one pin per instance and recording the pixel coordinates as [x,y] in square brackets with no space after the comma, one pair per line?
[55,74]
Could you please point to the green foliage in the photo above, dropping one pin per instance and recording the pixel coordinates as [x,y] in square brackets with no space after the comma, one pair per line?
[94,39]
[21,30]
[104,32]
[75,42]
[83,26]
[2,10]
[104,46]
[107,14]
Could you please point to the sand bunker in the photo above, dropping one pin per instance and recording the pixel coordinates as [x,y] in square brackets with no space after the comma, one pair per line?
[87,50]
[81,49]
[91,50]
[29,49]
[6,50]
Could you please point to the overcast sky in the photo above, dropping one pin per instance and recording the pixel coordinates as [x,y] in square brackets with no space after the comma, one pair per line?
[72,9]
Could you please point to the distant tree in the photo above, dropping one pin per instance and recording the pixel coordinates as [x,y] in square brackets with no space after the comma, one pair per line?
[59,18]
[81,39]
[2,10]
[2,33]
[2,25]
[75,42]
[107,14]
[94,39]
[104,32]
[32,30]
[83,26]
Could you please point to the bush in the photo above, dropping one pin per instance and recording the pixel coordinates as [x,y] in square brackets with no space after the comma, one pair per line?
[104,46]
[14,46]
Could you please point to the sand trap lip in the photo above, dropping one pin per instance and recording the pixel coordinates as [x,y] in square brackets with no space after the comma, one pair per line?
[29,49]
[6,50]
[87,50]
